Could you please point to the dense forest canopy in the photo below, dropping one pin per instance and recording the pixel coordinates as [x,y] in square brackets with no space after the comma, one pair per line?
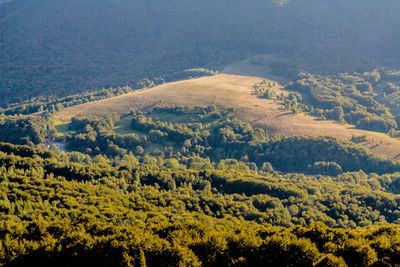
[71,209]
[63,47]
[190,185]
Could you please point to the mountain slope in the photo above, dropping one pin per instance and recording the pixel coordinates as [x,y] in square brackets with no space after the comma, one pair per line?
[61,47]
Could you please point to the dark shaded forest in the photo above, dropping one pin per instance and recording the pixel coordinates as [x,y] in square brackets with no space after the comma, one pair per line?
[61,48]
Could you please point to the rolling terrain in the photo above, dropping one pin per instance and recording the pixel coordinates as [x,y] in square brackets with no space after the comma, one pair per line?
[233,91]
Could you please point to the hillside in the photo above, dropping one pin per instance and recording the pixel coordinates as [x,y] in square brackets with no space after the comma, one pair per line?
[233,91]
[63,47]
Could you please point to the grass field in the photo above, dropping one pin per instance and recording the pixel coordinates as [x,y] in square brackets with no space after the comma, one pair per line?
[61,127]
[233,91]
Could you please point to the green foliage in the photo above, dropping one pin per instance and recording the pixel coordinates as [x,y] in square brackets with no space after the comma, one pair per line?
[86,240]
[296,153]
[235,189]
[57,211]
[358,139]
[358,99]
[376,124]
[216,134]
[24,129]
[51,103]
[264,89]
[189,186]
[329,168]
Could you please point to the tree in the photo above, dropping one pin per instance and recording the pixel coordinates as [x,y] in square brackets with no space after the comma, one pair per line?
[338,114]
[139,150]
[267,167]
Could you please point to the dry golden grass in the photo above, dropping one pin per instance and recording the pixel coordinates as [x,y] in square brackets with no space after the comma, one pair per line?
[234,91]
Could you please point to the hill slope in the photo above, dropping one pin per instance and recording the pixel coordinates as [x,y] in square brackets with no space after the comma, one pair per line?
[233,91]
[62,47]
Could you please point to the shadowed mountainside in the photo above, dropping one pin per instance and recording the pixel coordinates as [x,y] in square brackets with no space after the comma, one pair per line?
[62,47]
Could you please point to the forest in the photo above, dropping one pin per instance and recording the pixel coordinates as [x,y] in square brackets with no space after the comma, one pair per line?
[58,210]
[57,48]
[195,185]
[167,184]
[217,134]
[368,100]
[191,186]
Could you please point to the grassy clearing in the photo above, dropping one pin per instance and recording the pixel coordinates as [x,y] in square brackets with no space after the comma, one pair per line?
[231,91]
[61,127]
[164,116]
[124,125]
